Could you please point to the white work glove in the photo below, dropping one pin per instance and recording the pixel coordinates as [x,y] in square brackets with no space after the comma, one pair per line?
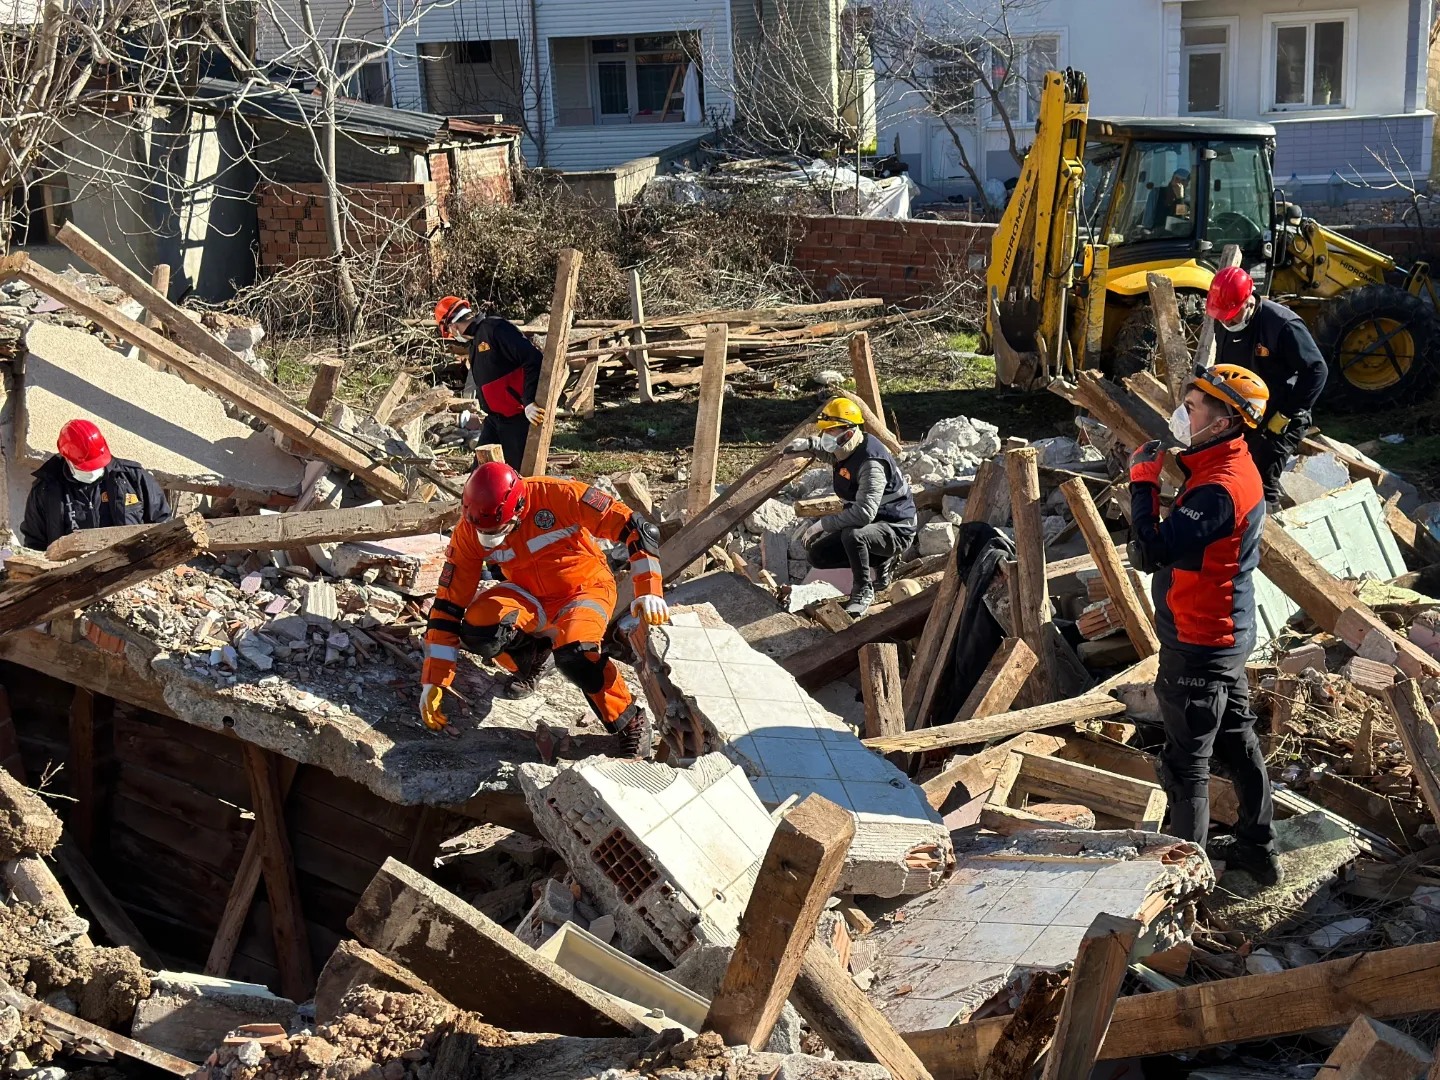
[812,533]
[430,714]
[535,414]
[801,445]
[651,610]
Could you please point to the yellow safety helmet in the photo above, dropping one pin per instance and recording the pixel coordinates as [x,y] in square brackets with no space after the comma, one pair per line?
[840,412]
[1238,387]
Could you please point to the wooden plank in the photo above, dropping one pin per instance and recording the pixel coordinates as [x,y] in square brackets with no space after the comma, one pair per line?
[1033,620]
[1374,1051]
[839,1012]
[205,372]
[1000,682]
[444,941]
[581,400]
[862,363]
[989,497]
[292,947]
[1027,1029]
[800,870]
[1420,739]
[976,774]
[819,506]
[102,905]
[880,688]
[1007,820]
[390,400]
[1107,560]
[1090,706]
[322,389]
[82,582]
[1090,995]
[705,457]
[80,764]
[937,642]
[836,656]
[1172,355]
[73,1029]
[634,491]
[160,282]
[242,890]
[84,665]
[1112,794]
[553,369]
[1205,347]
[1404,528]
[639,356]
[1382,983]
[265,532]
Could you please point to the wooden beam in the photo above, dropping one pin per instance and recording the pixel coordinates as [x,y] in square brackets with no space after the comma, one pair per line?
[705,458]
[1419,737]
[937,642]
[1172,355]
[999,684]
[1090,995]
[102,905]
[1028,1029]
[580,401]
[266,532]
[1090,706]
[634,492]
[292,944]
[1205,348]
[1107,560]
[553,369]
[76,584]
[1007,820]
[989,497]
[1375,1051]
[1382,983]
[242,889]
[800,870]
[862,363]
[160,282]
[880,687]
[87,711]
[837,655]
[874,423]
[73,1030]
[1139,804]
[976,773]
[324,386]
[839,1012]
[224,382]
[1033,620]
[391,399]
[639,356]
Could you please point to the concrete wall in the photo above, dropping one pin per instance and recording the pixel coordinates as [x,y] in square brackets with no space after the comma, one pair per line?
[903,262]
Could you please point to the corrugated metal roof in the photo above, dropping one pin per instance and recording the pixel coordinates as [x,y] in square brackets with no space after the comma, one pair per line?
[261,102]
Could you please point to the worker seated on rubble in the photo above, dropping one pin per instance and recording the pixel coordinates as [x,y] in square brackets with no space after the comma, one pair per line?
[878,522]
[556,597]
[1203,555]
[1272,341]
[504,373]
[85,487]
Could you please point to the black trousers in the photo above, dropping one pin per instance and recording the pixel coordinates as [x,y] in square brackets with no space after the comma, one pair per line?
[860,549]
[1271,453]
[510,432]
[1205,704]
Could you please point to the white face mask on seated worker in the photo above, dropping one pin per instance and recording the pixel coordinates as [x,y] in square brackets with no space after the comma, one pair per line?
[88,476]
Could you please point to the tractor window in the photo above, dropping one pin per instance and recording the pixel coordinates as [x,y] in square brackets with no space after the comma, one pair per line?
[1101,162]
[1238,206]
[1155,199]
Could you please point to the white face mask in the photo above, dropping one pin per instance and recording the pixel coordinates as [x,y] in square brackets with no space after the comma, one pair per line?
[829,442]
[1242,321]
[495,539]
[85,476]
[1180,427]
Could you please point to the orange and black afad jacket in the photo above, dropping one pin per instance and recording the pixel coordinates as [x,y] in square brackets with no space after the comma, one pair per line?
[506,366]
[1204,553]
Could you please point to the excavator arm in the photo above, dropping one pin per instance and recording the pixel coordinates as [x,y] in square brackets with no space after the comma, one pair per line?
[1033,254]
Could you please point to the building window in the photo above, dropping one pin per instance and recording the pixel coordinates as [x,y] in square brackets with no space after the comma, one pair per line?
[1021,77]
[1205,69]
[371,84]
[643,79]
[1310,60]
[472,52]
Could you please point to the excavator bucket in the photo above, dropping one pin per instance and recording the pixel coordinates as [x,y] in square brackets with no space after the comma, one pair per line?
[1012,368]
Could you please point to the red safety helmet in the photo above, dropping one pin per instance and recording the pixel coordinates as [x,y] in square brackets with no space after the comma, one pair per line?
[494,497]
[82,445]
[449,311]
[1231,288]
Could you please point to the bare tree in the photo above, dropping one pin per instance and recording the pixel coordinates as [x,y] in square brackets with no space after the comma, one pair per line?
[971,64]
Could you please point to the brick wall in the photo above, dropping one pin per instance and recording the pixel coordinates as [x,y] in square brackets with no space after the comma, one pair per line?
[902,262]
[292,222]
[482,174]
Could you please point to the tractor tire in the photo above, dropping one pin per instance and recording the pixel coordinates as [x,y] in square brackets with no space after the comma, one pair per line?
[1137,341]
[1379,342]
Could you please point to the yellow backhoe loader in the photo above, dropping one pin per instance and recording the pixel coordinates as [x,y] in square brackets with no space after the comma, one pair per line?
[1100,203]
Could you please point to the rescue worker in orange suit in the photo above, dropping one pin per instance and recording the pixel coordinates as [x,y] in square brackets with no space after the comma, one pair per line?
[86,487]
[557,594]
[1203,556]
[1273,342]
[505,369]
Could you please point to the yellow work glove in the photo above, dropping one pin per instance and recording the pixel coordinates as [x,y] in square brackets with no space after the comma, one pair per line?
[430,713]
[652,610]
[1277,424]
[535,414]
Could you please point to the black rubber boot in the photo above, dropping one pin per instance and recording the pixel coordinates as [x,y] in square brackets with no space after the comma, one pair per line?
[529,665]
[634,737]
[1260,863]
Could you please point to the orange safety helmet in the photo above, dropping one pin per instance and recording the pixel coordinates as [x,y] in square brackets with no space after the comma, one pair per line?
[1238,387]
[82,445]
[449,311]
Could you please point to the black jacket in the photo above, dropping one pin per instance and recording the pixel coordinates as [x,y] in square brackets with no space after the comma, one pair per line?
[1278,347]
[59,504]
[505,365]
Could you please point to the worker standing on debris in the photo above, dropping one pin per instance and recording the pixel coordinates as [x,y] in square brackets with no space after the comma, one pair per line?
[1272,341]
[879,519]
[557,595]
[85,487]
[1203,555]
[505,372]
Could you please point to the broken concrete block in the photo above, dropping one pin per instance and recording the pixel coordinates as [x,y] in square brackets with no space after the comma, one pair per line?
[1025,902]
[770,516]
[409,564]
[712,691]
[812,592]
[671,853]
[289,628]
[318,605]
[1378,646]
[189,1015]
[1313,475]
[936,538]
[1296,660]
[1263,962]
[554,907]
[1337,933]
[603,928]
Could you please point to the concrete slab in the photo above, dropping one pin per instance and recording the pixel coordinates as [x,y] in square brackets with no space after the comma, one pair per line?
[751,610]
[1024,903]
[672,853]
[709,690]
[176,430]
[189,1015]
[1346,532]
